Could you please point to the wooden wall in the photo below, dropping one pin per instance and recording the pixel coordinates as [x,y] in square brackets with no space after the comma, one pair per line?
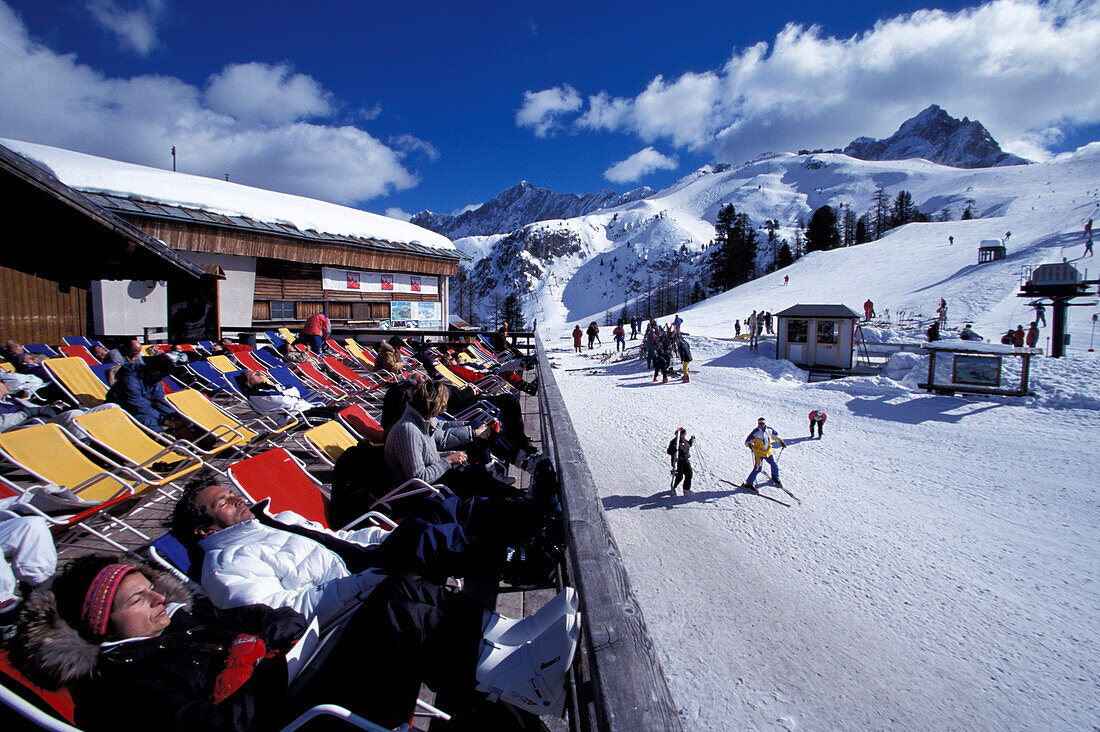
[37,310]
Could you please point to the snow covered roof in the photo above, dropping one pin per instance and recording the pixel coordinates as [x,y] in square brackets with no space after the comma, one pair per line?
[119,181]
[817,311]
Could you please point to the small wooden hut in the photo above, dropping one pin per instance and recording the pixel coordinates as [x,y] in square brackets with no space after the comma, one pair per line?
[818,336]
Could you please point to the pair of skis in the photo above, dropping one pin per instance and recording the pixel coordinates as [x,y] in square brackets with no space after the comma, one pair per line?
[764,495]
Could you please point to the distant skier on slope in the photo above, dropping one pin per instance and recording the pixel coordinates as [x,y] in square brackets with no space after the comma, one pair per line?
[679,451]
[817,417]
[760,441]
[577,335]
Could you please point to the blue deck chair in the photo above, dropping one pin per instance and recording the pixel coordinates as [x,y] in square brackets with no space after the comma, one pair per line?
[76,341]
[207,346]
[288,378]
[101,371]
[41,348]
[276,339]
[212,380]
[170,553]
[268,358]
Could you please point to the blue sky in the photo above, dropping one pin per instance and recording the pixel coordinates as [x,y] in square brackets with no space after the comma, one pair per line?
[404,106]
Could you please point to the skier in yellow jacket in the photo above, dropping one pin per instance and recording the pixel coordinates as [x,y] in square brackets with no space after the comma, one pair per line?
[760,441]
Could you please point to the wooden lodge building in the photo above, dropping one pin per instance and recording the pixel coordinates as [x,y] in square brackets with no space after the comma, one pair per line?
[270,259]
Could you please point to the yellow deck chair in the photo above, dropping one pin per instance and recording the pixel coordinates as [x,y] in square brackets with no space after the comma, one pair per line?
[10,368]
[360,355]
[229,431]
[46,452]
[223,364]
[329,441]
[156,459]
[77,380]
[285,333]
[450,376]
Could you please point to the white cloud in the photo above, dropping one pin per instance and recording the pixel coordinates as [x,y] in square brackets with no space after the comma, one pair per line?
[639,165]
[134,27]
[52,99]
[1021,67]
[258,93]
[541,110]
[409,143]
[396,213]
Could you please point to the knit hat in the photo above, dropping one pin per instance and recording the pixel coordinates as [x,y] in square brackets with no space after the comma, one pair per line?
[101,595]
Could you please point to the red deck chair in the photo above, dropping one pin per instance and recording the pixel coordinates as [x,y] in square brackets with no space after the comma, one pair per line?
[79,352]
[359,422]
[368,382]
[339,350]
[248,361]
[30,701]
[311,373]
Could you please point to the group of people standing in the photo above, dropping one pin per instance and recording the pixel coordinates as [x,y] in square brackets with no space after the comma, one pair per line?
[756,324]
[658,346]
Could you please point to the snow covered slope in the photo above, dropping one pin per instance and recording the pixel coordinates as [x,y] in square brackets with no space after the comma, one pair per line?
[603,260]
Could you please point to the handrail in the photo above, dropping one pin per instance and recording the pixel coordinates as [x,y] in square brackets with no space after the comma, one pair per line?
[629,690]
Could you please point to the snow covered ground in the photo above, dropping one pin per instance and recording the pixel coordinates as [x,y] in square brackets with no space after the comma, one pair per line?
[941,571]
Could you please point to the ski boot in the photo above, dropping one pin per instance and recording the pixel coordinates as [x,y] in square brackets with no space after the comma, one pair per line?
[665,381]
[749,486]
[685,379]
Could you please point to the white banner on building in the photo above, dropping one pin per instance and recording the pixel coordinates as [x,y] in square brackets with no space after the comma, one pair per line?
[349,280]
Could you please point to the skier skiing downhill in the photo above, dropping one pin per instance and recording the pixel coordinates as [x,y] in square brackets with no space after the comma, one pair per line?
[679,452]
[760,442]
[817,417]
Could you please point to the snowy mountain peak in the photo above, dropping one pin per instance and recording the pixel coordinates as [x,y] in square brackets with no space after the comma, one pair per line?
[520,205]
[937,136]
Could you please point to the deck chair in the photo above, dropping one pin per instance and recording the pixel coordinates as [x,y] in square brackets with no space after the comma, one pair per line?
[223,364]
[268,358]
[339,350]
[358,421]
[287,335]
[359,354]
[285,377]
[207,346]
[450,376]
[103,371]
[318,380]
[171,553]
[275,337]
[229,431]
[41,348]
[369,381]
[213,380]
[10,368]
[328,441]
[80,352]
[155,458]
[77,380]
[248,360]
[77,341]
[278,476]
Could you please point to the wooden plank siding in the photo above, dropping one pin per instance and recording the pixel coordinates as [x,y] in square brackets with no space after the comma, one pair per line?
[37,310]
[193,237]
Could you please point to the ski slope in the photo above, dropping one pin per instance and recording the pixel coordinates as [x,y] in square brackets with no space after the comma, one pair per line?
[941,572]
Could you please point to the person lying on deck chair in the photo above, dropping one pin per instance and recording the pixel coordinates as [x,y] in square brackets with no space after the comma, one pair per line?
[423,630]
[282,401]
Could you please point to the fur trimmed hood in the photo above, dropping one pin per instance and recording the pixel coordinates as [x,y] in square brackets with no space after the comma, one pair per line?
[53,654]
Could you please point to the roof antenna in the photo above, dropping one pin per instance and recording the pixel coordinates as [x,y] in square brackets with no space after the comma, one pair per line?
[173,158]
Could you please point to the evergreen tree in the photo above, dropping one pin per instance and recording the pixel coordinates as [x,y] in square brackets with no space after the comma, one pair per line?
[863,229]
[822,233]
[698,293]
[848,228]
[511,312]
[783,257]
[903,210]
[880,213]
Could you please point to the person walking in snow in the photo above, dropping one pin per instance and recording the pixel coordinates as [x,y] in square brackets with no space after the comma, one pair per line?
[677,323]
[649,344]
[679,451]
[1041,314]
[942,312]
[1032,335]
[817,417]
[950,241]
[736,327]
[786,279]
[593,334]
[768,321]
[633,327]
[662,355]
[684,351]
[1018,336]
[577,335]
[760,441]
[754,334]
[620,337]
[868,309]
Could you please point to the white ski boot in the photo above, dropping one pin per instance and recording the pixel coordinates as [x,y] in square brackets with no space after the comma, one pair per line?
[531,676]
[512,632]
